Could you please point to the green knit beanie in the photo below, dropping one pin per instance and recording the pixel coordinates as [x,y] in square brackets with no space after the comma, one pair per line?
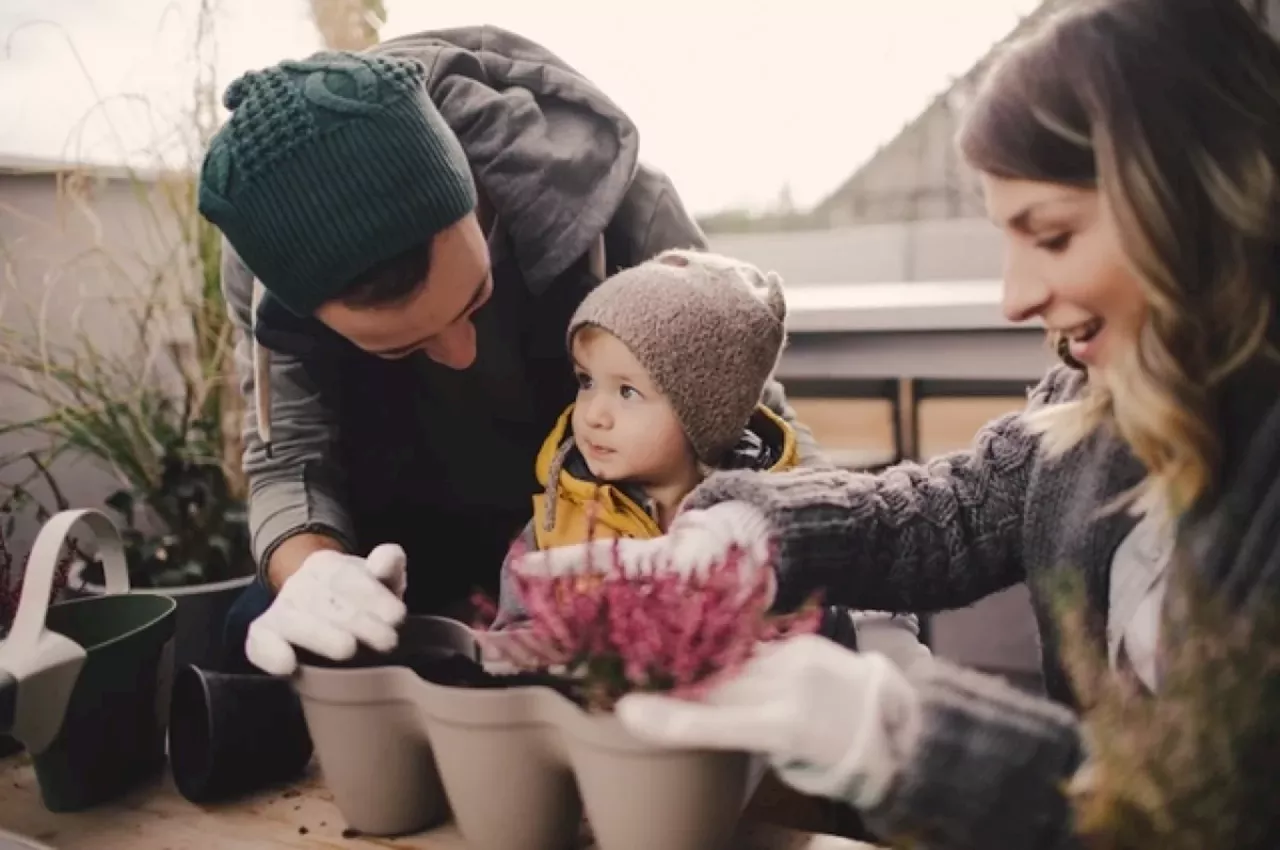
[328,166]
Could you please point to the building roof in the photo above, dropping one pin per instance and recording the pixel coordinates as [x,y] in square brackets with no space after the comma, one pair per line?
[923,250]
[957,85]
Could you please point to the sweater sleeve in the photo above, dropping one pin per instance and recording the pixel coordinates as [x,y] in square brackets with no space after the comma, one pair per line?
[916,537]
[988,768]
[295,488]
[510,608]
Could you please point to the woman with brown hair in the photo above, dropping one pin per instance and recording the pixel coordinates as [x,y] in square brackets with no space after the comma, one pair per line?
[1130,152]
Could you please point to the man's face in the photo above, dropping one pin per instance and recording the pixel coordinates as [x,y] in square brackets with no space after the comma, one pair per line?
[435,319]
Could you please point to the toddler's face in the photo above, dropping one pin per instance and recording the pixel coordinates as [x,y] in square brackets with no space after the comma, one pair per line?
[624,427]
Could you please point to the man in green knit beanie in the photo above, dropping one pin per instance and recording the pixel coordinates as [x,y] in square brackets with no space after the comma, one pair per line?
[407,232]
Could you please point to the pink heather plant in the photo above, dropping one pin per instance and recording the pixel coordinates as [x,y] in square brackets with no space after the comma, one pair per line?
[612,633]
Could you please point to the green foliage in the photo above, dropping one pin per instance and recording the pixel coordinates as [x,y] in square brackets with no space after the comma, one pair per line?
[143,381]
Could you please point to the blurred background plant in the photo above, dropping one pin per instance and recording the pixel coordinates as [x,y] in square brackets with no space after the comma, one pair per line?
[12,572]
[348,24]
[1198,767]
[156,401]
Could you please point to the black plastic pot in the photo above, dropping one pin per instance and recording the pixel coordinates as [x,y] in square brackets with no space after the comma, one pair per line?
[9,746]
[113,733]
[233,734]
[199,620]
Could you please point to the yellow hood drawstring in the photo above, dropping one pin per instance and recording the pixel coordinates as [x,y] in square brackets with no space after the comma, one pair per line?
[553,483]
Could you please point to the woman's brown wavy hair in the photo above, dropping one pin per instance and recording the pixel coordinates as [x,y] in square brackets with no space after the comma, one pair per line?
[1171,110]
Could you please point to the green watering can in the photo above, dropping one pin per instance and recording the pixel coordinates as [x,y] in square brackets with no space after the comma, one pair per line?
[84,684]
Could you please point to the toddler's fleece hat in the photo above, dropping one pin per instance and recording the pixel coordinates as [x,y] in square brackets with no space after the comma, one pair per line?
[708,329]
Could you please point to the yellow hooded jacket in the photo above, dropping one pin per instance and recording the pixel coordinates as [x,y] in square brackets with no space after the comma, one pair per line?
[573,499]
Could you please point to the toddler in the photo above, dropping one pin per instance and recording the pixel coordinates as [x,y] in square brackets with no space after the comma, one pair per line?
[672,357]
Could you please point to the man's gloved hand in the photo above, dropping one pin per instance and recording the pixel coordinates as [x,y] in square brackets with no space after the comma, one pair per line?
[330,605]
[695,541]
[833,722]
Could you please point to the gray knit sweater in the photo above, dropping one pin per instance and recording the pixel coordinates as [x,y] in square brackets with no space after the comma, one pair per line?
[988,767]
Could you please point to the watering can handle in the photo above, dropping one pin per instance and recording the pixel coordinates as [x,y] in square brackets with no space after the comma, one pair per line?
[37,583]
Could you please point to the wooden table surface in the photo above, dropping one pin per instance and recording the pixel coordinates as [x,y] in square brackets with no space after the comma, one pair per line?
[156,817]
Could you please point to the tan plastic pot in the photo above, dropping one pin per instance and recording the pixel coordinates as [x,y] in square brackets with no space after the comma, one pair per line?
[639,796]
[517,765]
[552,760]
[369,735]
[504,739]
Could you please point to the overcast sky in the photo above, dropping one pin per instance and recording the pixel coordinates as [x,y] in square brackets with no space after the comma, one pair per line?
[733,100]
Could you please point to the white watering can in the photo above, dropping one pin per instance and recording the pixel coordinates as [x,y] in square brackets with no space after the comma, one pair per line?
[38,667]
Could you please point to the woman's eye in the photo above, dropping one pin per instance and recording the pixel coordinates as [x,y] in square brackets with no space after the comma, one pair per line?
[628,392]
[1056,244]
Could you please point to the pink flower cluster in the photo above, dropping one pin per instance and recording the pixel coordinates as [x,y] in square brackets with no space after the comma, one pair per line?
[613,633]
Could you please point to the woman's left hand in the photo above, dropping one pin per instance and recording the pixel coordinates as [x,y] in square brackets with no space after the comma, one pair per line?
[833,722]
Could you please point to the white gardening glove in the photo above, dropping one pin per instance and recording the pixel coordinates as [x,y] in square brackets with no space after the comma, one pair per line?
[895,636]
[697,539]
[833,722]
[330,605]
[694,542]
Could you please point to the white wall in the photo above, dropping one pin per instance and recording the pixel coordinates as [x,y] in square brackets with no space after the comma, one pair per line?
[68,266]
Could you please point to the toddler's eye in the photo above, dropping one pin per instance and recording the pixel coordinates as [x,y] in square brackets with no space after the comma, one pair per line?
[584,380]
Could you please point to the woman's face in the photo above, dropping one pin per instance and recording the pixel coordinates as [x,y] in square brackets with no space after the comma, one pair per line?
[1063,264]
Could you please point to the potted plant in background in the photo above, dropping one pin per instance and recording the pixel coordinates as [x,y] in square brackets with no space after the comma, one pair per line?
[160,418]
[165,414]
[157,405]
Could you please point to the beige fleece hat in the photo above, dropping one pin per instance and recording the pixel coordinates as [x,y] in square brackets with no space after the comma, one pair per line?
[709,330]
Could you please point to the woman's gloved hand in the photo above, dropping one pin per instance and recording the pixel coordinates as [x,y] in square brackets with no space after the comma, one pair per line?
[695,541]
[895,636]
[333,603]
[833,722]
